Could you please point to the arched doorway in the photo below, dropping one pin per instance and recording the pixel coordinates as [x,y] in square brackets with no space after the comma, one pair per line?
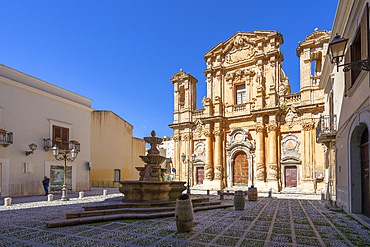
[240,171]
[365,190]
[359,167]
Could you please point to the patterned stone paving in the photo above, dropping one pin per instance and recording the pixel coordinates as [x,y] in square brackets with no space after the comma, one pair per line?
[267,222]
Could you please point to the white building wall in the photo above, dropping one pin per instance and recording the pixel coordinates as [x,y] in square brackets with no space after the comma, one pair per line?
[29,108]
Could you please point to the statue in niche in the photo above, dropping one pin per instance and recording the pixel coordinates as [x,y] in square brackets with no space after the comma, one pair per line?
[259,77]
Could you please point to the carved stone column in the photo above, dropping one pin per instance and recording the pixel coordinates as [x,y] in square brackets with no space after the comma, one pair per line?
[208,167]
[272,167]
[218,155]
[188,151]
[260,152]
[177,163]
[308,125]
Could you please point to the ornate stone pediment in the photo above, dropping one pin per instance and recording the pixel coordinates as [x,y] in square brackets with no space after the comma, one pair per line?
[239,137]
[317,35]
[290,149]
[239,48]
[179,76]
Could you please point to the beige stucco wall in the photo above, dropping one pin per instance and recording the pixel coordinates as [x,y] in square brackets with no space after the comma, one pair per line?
[28,108]
[351,108]
[112,148]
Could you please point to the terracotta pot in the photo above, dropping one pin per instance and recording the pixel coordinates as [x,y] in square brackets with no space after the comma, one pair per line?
[184,215]
[239,200]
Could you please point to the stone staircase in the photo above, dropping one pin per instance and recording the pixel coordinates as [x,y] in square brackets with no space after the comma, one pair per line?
[125,210]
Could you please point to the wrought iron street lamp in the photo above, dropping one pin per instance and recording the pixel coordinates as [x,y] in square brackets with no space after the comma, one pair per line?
[70,155]
[183,159]
[336,51]
[32,147]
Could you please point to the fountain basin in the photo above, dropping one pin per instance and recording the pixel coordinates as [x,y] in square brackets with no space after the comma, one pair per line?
[134,190]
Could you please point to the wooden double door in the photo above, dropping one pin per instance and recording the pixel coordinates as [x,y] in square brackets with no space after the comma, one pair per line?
[240,172]
[199,175]
[290,177]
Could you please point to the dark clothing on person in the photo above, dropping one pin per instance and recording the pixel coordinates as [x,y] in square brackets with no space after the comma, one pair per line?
[45,183]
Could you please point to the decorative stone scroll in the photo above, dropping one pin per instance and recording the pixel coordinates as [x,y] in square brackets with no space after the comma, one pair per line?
[273,172]
[218,172]
[292,117]
[199,127]
[208,172]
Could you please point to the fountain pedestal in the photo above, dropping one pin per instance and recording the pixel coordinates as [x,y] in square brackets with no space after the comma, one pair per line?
[151,185]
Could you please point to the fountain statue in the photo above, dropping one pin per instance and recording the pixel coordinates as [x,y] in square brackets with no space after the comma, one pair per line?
[151,185]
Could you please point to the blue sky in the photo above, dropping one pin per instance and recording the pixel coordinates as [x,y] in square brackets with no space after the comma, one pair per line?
[122,54]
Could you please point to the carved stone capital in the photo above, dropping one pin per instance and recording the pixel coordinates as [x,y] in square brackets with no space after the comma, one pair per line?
[207,132]
[176,138]
[218,132]
[187,137]
[308,125]
[260,127]
[272,126]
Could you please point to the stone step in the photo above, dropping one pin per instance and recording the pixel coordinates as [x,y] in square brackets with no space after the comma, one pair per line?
[138,204]
[109,210]
[124,216]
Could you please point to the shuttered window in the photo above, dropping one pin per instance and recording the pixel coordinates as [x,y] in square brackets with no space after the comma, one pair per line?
[240,94]
[60,137]
[358,50]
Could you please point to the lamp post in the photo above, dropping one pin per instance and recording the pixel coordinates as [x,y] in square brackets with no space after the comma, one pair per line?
[70,155]
[183,159]
[336,50]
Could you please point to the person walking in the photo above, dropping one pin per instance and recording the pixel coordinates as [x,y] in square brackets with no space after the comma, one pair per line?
[45,183]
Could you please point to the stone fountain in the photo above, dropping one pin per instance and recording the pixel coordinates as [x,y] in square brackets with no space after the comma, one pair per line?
[151,185]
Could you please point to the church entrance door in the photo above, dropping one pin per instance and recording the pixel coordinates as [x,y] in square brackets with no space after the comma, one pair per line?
[200,175]
[290,177]
[240,169]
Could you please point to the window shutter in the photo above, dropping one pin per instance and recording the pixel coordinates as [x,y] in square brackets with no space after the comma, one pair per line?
[347,75]
[365,33]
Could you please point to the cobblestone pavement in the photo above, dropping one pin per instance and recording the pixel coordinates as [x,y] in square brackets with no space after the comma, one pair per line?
[267,222]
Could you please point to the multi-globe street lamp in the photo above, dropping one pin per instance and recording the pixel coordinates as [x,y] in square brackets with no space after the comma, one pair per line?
[70,155]
[183,159]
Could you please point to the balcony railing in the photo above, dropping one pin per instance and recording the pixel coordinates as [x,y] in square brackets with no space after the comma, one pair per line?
[6,138]
[326,129]
[240,107]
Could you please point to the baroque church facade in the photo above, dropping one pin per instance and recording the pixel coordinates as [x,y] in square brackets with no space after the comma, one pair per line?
[252,129]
